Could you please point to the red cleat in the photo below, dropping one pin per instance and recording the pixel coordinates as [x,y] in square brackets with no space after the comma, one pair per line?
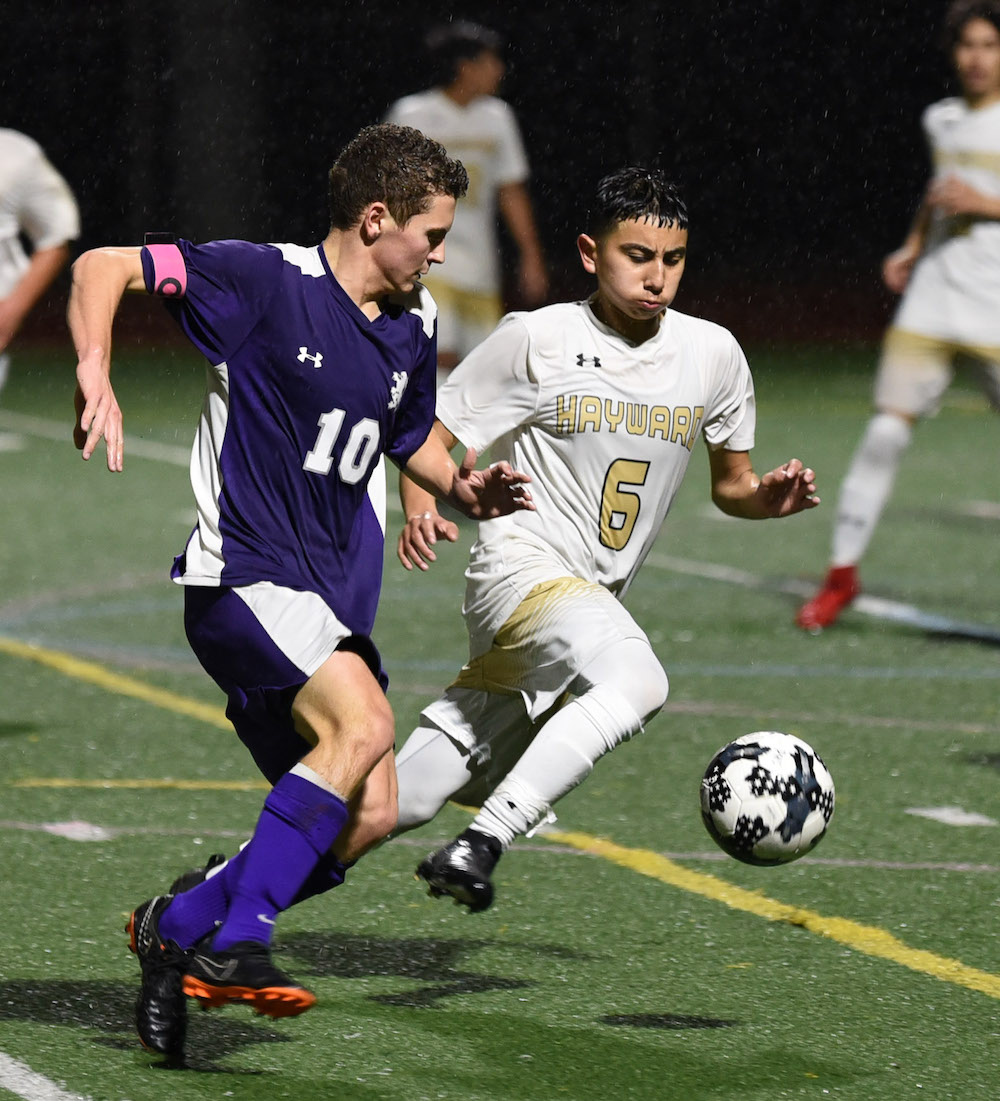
[839,589]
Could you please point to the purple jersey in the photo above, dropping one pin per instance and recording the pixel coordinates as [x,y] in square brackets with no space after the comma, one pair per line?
[305,395]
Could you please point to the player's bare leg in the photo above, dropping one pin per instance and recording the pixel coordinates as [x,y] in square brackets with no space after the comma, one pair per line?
[343,711]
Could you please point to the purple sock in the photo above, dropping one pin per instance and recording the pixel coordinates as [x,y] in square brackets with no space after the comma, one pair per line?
[195,913]
[297,827]
[201,910]
[328,873]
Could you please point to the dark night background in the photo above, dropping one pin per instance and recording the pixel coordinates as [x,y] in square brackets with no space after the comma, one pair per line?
[793,126]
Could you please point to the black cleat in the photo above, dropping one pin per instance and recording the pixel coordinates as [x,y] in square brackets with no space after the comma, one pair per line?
[186,880]
[160,1010]
[462,869]
[244,974]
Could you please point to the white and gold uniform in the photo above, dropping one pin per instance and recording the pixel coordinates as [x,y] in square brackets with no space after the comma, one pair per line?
[485,137]
[952,303]
[35,203]
[606,429]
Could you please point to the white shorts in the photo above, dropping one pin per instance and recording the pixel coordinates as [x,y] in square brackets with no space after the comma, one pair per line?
[915,370]
[465,318]
[554,633]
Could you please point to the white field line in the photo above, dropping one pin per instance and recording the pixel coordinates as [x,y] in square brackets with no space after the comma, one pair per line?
[62,432]
[877,607]
[174,454]
[22,1081]
[92,833]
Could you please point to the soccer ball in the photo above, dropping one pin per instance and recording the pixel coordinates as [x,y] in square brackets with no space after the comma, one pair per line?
[767,798]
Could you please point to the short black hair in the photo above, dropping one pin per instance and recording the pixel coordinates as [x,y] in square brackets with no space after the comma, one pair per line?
[962,12]
[460,40]
[636,194]
[396,165]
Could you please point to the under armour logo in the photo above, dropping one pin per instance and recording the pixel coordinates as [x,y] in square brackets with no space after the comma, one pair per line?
[581,360]
[317,359]
[399,381]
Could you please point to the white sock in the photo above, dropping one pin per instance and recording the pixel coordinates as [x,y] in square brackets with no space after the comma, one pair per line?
[560,757]
[866,487]
[430,768]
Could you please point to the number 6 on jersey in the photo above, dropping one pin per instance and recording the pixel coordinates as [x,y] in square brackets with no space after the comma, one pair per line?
[619,507]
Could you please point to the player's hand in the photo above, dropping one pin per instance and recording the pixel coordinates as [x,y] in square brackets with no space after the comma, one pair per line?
[787,489]
[419,534]
[484,494]
[97,412]
[897,268]
[952,196]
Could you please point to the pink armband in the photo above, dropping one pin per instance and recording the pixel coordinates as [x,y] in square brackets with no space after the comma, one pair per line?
[168,271]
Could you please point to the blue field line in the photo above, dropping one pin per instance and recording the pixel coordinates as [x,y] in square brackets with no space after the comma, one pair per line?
[135,656]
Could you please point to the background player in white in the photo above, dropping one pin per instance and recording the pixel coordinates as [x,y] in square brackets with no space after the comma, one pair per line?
[602,401]
[320,360]
[35,203]
[949,268]
[465,115]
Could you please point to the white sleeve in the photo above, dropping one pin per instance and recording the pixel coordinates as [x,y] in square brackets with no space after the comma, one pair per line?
[396,114]
[512,161]
[493,389]
[47,211]
[927,124]
[731,420]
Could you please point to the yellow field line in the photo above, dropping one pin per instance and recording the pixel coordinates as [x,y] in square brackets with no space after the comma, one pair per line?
[864,938]
[144,784]
[92,673]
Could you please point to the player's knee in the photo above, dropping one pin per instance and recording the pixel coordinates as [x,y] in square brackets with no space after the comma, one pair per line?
[887,435]
[630,669]
[650,689]
[363,737]
[376,736]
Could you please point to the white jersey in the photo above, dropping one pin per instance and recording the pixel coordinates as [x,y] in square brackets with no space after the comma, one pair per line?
[484,136]
[604,427]
[35,201]
[954,293]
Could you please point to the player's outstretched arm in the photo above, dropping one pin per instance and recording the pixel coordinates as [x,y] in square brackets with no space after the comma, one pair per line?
[100,278]
[898,265]
[423,525]
[518,215]
[480,494]
[738,491]
[44,266]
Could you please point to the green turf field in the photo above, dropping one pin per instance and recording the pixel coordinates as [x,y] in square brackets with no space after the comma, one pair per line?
[625,956]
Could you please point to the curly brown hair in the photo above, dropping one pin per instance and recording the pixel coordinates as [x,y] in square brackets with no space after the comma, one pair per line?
[396,165]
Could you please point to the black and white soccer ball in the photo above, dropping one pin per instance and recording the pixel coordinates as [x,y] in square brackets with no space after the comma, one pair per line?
[767,798]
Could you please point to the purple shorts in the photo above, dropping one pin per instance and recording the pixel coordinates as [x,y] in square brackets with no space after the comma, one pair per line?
[260,678]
